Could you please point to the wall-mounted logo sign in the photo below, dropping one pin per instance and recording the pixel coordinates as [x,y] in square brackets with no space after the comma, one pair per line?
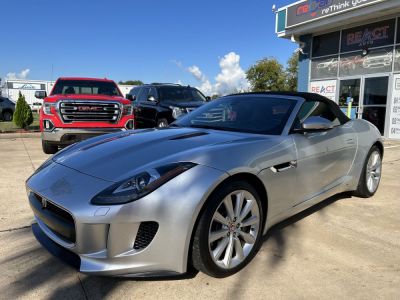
[326,88]
[373,35]
[310,10]
[27,86]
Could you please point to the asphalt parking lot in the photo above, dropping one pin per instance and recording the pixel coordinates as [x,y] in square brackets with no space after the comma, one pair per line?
[345,247]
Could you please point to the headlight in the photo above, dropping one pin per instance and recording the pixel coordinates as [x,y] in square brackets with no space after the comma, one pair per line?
[47,108]
[127,110]
[177,112]
[140,185]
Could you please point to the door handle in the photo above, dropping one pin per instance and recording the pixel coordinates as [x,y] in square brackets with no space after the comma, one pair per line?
[284,166]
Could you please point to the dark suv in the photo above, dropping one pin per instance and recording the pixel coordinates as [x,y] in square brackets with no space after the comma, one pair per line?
[159,104]
[7,108]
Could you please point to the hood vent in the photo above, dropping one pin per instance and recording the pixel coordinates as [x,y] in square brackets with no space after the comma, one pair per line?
[189,135]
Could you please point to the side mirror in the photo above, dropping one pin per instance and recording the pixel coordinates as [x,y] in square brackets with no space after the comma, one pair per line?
[208,99]
[316,124]
[152,99]
[40,94]
[130,97]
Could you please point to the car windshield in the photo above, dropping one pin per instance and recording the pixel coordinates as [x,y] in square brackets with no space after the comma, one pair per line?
[180,94]
[247,113]
[88,87]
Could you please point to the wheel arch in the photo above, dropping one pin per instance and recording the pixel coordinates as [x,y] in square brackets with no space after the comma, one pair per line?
[247,177]
[380,146]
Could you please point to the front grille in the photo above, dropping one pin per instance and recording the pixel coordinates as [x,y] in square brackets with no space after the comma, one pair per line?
[57,219]
[145,234]
[89,111]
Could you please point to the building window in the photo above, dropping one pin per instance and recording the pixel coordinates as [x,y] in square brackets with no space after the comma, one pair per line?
[368,36]
[377,61]
[323,68]
[326,44]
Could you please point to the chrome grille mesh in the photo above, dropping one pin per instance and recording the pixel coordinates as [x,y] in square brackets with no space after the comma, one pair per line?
[89,111]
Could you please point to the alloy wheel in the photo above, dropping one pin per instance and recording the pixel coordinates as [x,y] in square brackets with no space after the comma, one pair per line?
[374,170]
[234,228]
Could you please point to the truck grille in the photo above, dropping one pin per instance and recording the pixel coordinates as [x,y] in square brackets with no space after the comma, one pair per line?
[89,111]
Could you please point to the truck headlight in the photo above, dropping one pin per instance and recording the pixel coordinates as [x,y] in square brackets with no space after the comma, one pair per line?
[177,112]
[47,108]
[127,110]
[140,185]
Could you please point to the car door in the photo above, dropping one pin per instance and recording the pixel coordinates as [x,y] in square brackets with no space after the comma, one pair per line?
[149,108]
[138,107]
[324,157]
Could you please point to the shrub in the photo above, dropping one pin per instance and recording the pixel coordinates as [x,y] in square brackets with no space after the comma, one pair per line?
[23,114]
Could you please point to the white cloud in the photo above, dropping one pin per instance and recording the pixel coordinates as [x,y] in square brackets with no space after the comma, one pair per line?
[21,75]
[231,78]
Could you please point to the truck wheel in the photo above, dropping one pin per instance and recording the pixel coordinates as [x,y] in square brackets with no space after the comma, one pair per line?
[7,116]
[49,148]
[161,123]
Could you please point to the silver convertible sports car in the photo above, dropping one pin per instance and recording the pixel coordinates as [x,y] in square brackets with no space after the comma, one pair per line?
[202,192]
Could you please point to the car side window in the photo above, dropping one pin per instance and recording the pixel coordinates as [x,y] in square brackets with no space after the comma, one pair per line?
[316,109]
[153,92]
[142,96]
[135,93]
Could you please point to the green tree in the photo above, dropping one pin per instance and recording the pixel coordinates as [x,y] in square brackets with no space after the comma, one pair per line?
[266,75]
[131,82]
[292,70]
[23,114]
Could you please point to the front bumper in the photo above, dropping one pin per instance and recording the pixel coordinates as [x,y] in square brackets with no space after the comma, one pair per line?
[67,136]
[105,235]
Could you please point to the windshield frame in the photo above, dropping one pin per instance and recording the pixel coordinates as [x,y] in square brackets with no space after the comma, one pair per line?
[286,128]
[90,83]
[192,89]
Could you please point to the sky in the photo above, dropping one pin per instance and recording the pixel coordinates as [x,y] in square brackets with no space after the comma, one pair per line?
[209,44]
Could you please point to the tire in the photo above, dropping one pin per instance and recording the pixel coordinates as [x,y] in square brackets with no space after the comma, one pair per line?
[162,123]
[7,116]
[371,174]
[215,246]
[49,148]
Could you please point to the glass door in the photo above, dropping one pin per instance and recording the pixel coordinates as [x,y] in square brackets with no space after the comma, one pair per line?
[375,100]
[350,88]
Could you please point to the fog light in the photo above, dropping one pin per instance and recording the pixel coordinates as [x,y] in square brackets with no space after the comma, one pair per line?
[48,125]
[130,124]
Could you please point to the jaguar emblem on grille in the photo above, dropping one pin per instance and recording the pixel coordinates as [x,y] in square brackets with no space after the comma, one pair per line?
[44,203]
[89,108]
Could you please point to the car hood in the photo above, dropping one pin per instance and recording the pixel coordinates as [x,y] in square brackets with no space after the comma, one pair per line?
[117,156]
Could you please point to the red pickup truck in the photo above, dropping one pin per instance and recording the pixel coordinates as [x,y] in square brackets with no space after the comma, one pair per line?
[79,108]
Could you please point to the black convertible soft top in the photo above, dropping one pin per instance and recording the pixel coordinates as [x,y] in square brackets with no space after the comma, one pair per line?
[308,97]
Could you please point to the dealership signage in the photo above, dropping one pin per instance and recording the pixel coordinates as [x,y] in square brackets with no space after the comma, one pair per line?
[310,10]
[326,88]
[373,35]
[394,129]
[27,86]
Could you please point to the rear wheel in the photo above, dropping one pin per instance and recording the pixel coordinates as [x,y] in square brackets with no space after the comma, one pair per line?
[49,148]
[371,174]
[229,230]
[7,116]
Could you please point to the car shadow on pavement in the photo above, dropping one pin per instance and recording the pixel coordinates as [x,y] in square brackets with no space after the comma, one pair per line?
[278,235]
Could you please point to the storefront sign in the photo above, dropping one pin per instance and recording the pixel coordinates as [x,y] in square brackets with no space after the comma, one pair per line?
[311,10]
[325,88]
[27,86]
[373,35]
[394,130]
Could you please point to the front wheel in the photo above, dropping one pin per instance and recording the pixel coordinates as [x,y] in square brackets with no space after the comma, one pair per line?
[49,148]
[229,230]
[371,174]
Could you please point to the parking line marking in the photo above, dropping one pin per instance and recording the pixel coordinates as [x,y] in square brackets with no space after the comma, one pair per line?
[389,147]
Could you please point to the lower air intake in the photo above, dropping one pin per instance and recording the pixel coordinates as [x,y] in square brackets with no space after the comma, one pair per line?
[145,234]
